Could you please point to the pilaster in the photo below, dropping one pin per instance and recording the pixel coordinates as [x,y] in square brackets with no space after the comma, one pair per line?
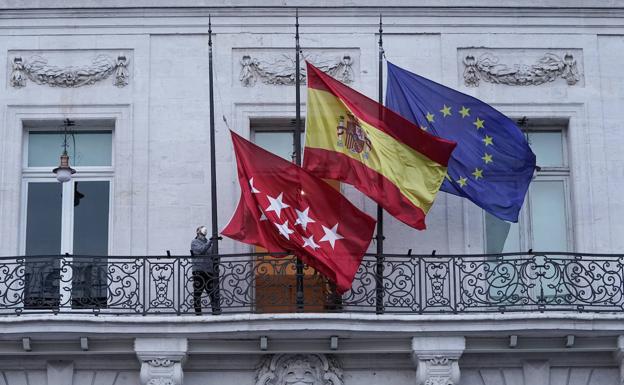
[161,360]
[619,356]
[437,359]
[60,372]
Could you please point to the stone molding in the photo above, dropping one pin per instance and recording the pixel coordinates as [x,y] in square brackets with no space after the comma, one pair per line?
[293,369]
[37,70]
[161,360]
[437,359]
[279,69]
[547,68]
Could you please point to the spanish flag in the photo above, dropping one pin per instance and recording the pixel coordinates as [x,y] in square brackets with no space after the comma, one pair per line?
[352,138]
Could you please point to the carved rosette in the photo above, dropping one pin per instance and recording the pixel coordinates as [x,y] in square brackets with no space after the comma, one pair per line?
[548,68]
[299,369]
[280,69]
[37,70]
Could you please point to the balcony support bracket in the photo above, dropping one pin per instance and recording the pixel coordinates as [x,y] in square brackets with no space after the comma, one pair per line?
[161,360]
[437,359]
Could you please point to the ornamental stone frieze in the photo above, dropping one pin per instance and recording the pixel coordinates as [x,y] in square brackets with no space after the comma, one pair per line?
[161,360]
[278,67]
[40,70]
[299,369]
[519,68]
[437,359]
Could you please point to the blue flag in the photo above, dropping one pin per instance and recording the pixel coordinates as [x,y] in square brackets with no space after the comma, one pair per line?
[492,164]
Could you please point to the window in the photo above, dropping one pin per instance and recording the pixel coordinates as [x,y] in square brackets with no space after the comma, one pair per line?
[66,218]
[278,137]
[544,223]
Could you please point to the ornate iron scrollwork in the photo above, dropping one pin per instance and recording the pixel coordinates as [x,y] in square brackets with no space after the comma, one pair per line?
[263,283]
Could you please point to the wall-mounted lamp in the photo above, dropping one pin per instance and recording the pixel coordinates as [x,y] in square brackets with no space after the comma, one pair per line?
[63,172]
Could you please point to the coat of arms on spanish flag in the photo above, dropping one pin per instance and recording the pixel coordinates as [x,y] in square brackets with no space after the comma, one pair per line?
[352,138]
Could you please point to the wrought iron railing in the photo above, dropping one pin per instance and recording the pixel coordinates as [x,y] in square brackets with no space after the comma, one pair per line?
[258,283]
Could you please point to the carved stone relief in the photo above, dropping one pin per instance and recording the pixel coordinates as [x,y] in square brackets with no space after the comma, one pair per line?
[161,371]
[547,67]
[279,68]
[161,360]
[37,69]
[437,370]
[299,369]
[437,359]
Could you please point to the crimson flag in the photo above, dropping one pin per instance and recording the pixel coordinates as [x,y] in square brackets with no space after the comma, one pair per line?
[284,208]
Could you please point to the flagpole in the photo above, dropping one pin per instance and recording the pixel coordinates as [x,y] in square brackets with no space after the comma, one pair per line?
[297,139]
[213,166]
[380,237]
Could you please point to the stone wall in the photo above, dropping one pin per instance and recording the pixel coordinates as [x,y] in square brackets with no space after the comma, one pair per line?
[159,94]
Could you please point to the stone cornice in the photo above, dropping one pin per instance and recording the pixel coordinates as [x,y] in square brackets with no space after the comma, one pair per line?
[332,20]
[318,325]
[258,12]
[49,4]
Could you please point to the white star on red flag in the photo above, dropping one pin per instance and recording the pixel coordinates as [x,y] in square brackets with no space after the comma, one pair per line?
[276,204]
[263,217]
[310,242]
[331,235]
[284,229]
[303,219]
[251,186]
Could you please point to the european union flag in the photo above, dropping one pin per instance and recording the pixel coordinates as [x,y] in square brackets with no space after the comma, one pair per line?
[492,164]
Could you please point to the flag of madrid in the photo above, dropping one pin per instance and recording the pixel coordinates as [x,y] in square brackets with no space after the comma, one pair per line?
[283,208]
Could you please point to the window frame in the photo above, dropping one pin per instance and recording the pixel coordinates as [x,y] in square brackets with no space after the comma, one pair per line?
[547,173]
[279,127]
[83,174]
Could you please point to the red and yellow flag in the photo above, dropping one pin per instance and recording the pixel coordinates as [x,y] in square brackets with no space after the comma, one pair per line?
[352,138]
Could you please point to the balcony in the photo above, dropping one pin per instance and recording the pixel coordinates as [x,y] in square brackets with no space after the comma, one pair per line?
[261,283]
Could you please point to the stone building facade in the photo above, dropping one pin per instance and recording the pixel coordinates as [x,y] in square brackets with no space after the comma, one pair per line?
[134,80]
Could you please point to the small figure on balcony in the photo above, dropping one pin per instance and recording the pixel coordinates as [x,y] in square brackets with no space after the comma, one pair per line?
[204,272]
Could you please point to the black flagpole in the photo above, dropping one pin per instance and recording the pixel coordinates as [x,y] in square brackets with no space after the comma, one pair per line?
[213,166]
[380,238]
[297,139]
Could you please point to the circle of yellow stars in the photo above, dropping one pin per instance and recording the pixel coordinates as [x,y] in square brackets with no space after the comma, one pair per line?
[479,124]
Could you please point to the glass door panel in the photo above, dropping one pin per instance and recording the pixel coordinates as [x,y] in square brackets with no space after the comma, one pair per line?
[548,216]
[90,238]
[548,225]
[43,244]
[501,236]
[92,148]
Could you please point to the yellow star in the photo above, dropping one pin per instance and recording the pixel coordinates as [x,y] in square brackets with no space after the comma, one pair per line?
[430,116]
[487,158]
[446,111]
[488,140]
[464,112]
[478,173]
[479,123]
[462,181]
